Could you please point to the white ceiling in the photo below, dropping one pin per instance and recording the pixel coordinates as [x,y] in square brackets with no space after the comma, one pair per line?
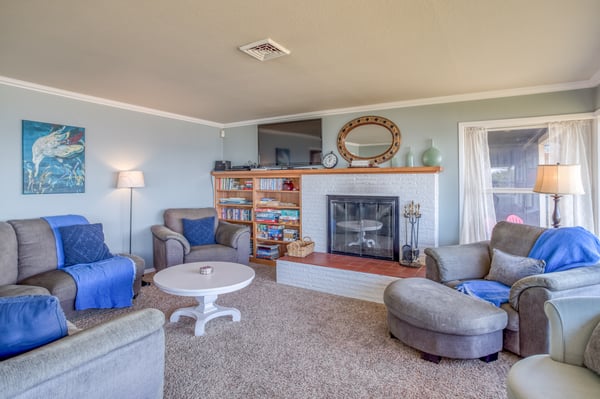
[182,57]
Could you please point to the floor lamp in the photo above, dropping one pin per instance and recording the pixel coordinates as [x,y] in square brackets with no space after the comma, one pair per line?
[130,179]
[558,180]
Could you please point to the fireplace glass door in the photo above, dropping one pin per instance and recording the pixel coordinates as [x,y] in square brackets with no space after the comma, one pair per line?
[365,226]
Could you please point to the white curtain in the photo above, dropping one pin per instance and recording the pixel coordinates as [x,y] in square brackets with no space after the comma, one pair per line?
[478,213]
[571,143]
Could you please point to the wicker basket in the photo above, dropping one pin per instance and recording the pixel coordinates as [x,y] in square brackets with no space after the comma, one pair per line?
[301,248]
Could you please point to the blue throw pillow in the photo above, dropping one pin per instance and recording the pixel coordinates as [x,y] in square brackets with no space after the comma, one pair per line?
[29,321]
[83,243]
[199,231]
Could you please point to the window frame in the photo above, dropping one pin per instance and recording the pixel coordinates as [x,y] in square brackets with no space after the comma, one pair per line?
[526,123]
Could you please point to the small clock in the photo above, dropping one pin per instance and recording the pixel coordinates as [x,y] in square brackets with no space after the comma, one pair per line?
[329,160]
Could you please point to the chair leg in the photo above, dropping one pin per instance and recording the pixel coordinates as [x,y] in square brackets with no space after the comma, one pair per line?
[489,358]
[431,358]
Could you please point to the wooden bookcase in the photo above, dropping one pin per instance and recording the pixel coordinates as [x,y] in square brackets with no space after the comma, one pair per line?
[268,202]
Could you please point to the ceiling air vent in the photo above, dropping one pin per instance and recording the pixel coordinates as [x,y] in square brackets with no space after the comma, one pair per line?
[265,49]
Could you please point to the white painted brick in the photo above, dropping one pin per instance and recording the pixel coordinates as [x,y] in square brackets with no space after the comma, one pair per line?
[365,286]
[421,188]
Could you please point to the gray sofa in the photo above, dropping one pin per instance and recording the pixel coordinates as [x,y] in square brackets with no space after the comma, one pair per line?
[170,247]
[527,330]
[28,259]
[122,358]
[563,372]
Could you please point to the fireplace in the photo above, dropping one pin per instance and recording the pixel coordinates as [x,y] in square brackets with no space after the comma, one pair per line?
[364,226]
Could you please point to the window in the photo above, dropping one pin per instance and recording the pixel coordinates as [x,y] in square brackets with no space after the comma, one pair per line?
[498,167]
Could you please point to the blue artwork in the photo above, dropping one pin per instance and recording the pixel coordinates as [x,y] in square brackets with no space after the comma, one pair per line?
[53,158]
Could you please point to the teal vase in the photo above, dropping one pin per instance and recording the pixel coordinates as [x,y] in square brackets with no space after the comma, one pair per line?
[432,156]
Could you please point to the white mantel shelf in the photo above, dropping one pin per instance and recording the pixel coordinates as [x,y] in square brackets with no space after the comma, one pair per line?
[299,172]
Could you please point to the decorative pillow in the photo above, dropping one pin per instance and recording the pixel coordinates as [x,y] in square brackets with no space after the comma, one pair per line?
[591,355]
[199,231]
[29,321]
[83,243]
[508,269]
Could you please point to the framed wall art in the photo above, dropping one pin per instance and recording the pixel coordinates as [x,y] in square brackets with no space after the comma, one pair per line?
[53,158]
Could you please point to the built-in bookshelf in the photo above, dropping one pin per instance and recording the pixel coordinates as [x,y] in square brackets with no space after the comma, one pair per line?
[268,204]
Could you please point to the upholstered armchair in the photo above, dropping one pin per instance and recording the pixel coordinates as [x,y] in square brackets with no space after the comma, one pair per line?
[230,242]
[571,369]
[527,330]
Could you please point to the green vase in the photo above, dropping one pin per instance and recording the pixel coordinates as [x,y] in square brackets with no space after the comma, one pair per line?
[432,156]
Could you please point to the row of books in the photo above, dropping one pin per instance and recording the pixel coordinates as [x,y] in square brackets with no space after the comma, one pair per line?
[271,184]
[277,215]
[267,251]
[275,233]
[236,214]
[229,183]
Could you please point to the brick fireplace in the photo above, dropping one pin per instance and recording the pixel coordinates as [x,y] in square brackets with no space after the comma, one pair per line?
[422,188]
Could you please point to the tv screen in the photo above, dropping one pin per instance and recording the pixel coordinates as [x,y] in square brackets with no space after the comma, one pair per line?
[290,144]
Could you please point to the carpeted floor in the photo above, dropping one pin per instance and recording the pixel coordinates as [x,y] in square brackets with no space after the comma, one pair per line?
[296,343]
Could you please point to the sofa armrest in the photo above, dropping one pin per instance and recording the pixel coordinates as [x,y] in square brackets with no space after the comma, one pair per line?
[556,281]
[458,262]
[163,233]
[230,234]
[572,321]
[127,351]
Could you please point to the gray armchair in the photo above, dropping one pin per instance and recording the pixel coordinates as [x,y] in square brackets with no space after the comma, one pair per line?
[527,330]
[561,373]
[171,248]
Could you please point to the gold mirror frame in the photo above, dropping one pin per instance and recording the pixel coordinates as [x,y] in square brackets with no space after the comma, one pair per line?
[369,120]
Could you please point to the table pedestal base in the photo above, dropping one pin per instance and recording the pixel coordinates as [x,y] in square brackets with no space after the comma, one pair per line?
[206,310]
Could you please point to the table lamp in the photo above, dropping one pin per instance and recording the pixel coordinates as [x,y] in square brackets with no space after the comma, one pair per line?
[558,180]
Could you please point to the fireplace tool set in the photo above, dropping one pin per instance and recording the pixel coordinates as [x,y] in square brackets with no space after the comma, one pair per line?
[410,250]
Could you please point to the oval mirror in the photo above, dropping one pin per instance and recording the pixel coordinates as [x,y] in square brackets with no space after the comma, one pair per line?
[369,138]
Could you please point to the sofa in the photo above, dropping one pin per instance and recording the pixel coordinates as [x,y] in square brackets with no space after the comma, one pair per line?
[28,259]
[121,358]
[574,345]
[230,243]
[527,330]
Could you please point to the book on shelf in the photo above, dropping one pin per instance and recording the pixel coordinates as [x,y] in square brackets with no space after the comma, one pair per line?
[290,235]
[266,251]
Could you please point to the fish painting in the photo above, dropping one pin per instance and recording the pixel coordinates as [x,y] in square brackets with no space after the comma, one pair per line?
[53,158]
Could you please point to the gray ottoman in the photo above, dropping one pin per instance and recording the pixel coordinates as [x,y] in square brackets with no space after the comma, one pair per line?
[440,321]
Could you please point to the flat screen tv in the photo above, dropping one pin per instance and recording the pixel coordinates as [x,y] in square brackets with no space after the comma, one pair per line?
[290,144]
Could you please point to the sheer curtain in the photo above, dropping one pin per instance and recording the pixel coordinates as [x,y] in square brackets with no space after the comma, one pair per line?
[478,214]
[571,143]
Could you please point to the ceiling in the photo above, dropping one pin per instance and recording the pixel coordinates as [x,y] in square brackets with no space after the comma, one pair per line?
[181,56]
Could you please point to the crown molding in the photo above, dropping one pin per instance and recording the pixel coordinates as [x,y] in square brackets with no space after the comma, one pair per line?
[103,101]
[592,82]
[486,95]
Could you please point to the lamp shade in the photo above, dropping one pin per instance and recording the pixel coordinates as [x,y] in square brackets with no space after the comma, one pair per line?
[130,179]
[558,179]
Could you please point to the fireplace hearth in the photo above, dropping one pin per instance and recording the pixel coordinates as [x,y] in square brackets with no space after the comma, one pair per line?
[363,226]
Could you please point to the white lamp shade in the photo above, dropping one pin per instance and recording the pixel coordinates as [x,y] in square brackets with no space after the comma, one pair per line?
[130,179]
[558,179]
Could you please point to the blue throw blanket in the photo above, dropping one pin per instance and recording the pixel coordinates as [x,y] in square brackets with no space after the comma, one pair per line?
[61,221]
[566,248]
[492,291]
[103,284]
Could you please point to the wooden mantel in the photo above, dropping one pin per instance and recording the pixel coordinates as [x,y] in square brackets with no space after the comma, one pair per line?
[300,172]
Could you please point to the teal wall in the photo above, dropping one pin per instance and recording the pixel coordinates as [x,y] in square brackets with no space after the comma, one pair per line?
[440,122]
[176,158]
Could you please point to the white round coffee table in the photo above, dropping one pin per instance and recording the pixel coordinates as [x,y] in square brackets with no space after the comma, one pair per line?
[186,280]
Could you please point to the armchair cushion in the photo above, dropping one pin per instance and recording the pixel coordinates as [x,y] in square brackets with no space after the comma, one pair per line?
[83,243]
[508,269]
[28,322]
[199,231]
[591,355]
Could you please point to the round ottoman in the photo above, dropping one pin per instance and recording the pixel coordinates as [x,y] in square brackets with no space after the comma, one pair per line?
[440,321]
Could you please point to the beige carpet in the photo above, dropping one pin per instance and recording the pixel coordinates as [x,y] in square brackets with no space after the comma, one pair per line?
[296,343]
